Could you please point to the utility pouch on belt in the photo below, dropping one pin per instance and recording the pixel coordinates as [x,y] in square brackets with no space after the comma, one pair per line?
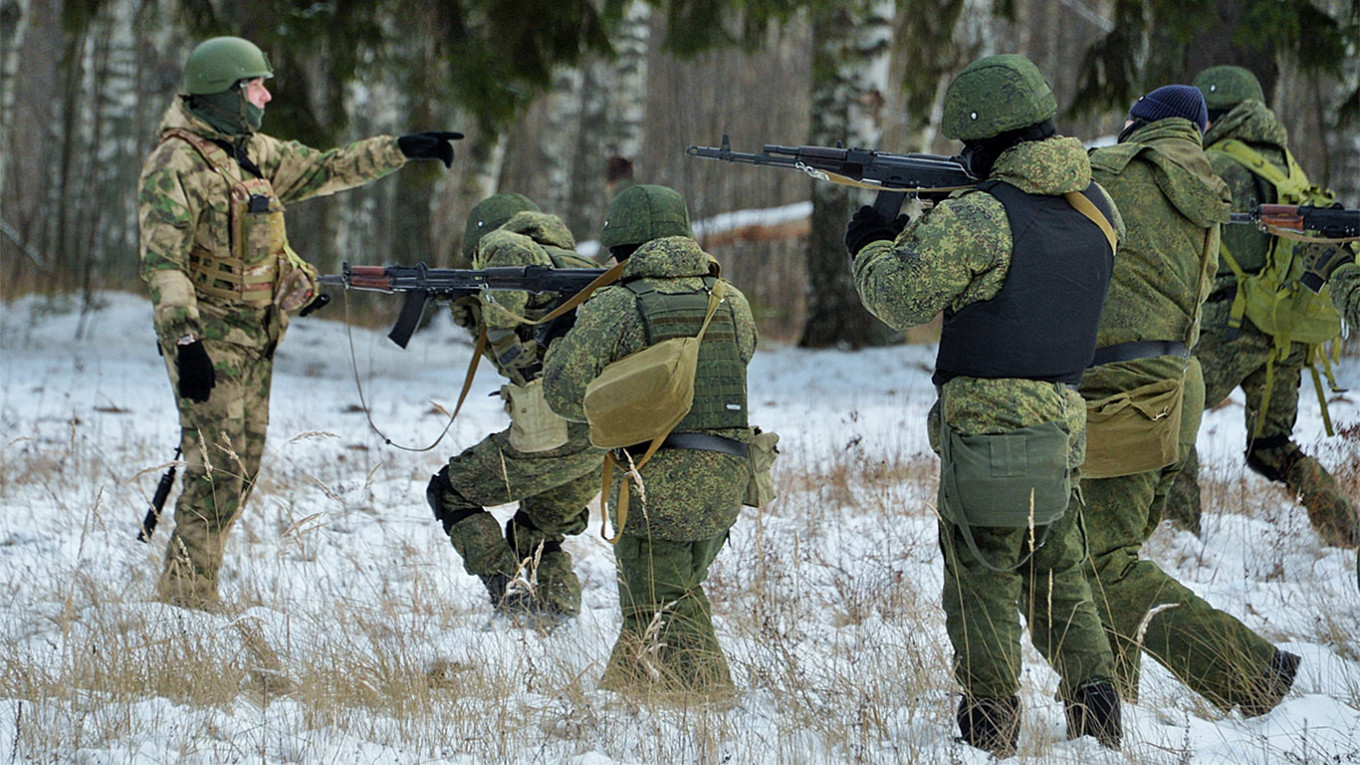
[533,426]
[1134,431]
[761,450]
[1018,479]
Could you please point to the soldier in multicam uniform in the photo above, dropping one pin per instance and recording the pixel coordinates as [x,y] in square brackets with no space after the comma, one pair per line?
[541,461]
[1173,205]
[1243,358]
[694,485]
[223,280]
[1021,306]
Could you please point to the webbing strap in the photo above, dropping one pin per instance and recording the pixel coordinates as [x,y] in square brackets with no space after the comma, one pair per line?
[1084,206]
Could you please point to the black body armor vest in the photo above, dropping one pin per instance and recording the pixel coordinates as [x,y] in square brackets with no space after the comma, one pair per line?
[1042,325]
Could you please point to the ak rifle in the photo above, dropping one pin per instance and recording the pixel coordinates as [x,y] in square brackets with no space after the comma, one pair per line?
[1303,222]
[420,284]
[893,176]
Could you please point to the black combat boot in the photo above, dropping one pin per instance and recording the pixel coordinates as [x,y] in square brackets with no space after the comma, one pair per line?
[1094,711]
[1270,688]
[992,725]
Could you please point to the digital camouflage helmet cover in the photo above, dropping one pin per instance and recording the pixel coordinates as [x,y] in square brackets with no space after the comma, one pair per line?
[994,95]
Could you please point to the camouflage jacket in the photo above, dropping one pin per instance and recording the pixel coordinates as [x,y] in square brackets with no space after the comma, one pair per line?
[1173,205]
[183,202]
[1345,284]
[1255,125]
[691,494]
[959,253]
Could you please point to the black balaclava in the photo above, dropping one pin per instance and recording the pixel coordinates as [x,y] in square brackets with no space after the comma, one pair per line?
[978,156]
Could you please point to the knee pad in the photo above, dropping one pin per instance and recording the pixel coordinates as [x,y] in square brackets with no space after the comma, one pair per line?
[522,522]
[448,505]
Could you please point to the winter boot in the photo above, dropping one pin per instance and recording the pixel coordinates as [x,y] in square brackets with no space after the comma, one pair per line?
[1271,686]
[1094,711]
[992,725]
[1330,512]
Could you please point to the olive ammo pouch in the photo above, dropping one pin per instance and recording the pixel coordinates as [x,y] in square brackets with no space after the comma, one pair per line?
[761,451]
[534,427]
[1019,479]
[1134,431]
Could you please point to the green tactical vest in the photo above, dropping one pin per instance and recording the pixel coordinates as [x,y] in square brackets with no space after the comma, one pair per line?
[720,378]
[1274,299]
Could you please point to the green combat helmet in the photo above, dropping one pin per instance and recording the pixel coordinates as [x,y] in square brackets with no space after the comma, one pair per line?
[642,213]
[1227,86]
[994,95]
[217,64]
[490,214]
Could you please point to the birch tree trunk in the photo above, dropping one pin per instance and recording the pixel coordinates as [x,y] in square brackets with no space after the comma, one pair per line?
[30,144]
[851,45]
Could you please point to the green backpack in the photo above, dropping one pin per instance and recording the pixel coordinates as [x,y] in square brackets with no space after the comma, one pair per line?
[1274,299]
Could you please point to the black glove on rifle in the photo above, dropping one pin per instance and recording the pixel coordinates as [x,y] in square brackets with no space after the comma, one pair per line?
[318,302]
[554,328]
[196,374]
[431,144]
[866,226]
[1320,260]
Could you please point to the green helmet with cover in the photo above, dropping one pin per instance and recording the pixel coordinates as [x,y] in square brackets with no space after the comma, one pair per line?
[642,213]
[216,65]
[490,214]
[994,95]
[1227,86]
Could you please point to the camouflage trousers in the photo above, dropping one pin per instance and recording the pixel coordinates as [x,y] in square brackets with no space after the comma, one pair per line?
[980,607]
[666,642]
[1242,362]
[552,488]
[223,442]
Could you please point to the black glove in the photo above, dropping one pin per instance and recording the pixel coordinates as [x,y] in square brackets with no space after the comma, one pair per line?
[318,302]
[554,328]
[865,227]
[196,375]
[431,144]
[1319,261]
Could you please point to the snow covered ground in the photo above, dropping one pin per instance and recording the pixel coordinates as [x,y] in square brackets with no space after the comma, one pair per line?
[342,589]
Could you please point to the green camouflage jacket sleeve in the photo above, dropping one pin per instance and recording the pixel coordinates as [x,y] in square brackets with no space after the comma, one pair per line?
[300,172]
[1345,284]
[957,253]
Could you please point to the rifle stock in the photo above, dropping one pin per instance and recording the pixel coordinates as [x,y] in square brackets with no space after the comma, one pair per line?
[1335,223]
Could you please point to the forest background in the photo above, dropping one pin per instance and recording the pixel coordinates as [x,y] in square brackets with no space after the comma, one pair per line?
[564,100]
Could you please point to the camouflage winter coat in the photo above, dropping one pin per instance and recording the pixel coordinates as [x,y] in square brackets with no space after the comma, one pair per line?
[184,204]
[959,253]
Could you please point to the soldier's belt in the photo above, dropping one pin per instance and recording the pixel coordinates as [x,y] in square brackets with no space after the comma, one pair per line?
[697,441]
[1141,349]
